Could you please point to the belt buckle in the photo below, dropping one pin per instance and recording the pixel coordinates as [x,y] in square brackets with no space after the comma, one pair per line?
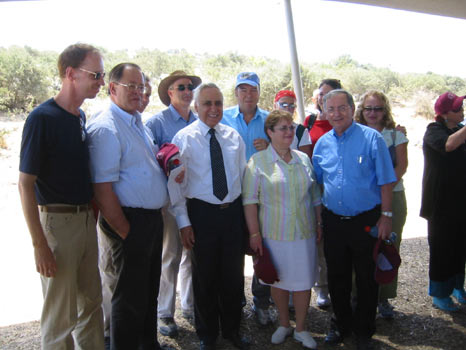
[346,217]
[224,205]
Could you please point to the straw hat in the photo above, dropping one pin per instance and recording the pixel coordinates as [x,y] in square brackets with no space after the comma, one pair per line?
[166,82]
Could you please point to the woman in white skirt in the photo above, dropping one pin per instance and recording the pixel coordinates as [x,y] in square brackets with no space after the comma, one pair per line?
[282,206]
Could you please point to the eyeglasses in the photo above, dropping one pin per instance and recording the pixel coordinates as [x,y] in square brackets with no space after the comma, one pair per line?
[341,109]
[373,109]
[287,105]
[97,75]
[182,87]
[132,87]
[284,128]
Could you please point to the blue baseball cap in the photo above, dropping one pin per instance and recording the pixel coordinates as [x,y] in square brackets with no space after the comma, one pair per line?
[249,78]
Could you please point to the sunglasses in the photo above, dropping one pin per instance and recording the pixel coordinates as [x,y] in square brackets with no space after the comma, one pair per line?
[286,105]
[457,110]
[97,75]
[373,109]
[182,87]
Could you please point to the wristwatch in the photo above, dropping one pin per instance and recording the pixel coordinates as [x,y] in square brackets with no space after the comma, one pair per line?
[387,213]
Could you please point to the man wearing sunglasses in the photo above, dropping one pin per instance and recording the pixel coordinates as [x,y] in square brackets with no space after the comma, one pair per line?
[130,189]
[176,92]
[55,190]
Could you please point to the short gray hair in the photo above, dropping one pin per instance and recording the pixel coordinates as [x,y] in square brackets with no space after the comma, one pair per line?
[333,93]
[203,86]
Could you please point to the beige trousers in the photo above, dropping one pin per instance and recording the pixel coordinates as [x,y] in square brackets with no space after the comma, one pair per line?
[72,314]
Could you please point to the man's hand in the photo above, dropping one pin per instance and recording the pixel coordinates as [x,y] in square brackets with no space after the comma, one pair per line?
[180,177]
[46,264]
[319,233]
[401,129]
[260,144]
[384,226]
[187,237]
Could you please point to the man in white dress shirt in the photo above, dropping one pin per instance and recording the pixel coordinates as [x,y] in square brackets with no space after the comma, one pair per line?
[211,220]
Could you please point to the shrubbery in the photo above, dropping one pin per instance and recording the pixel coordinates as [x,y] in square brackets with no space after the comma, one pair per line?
[28,77]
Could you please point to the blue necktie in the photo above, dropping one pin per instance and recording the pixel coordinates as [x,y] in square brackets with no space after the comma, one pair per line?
[219,178]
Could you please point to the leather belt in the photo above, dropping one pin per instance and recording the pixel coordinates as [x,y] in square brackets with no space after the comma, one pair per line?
[65,209]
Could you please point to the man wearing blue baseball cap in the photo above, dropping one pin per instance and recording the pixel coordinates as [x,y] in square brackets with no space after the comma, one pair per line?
[248,119]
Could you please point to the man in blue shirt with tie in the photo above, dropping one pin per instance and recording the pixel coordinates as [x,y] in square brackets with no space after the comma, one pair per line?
[353,164]
[176,92]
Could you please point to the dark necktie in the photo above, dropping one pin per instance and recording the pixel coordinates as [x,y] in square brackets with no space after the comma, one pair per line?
[219,178]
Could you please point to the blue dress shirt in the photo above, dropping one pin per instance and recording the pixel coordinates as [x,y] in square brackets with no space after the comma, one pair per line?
[166,124]
[249,132]
[122,152]
[352,168]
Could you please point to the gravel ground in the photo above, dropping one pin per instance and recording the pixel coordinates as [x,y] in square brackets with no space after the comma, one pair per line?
[416,326]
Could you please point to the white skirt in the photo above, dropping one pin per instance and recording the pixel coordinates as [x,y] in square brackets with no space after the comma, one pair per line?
[295,262]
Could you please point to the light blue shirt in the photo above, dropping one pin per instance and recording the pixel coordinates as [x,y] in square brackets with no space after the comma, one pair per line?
[122,151]
[166,124]
[352,168]
[249,132]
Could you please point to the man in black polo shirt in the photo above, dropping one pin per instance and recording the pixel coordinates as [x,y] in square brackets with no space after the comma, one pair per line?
[55,190]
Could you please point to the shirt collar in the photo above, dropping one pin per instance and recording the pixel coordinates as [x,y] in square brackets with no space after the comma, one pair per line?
[129,119]
[177,116]
[347,132]
[238,112]
[273,157]
[205,128]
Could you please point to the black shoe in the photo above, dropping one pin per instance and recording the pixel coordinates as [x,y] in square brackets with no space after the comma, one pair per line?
[238,341]
[334,337]
[203,345]
[364,343]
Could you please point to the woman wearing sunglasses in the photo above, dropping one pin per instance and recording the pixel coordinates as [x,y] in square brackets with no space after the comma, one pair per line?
[285,100]
[375,112]
[443,201]
[282,207]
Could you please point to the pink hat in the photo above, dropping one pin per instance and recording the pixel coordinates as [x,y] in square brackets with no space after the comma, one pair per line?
[387,261]
[167,151]
[448,102]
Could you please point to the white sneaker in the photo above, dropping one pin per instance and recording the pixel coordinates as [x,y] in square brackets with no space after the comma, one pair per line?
[323,300]
[306,339]
[280,334]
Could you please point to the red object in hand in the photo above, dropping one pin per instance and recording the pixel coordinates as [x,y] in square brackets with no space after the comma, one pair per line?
[367,228]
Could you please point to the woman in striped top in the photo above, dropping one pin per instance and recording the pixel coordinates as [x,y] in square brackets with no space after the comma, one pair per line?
[282,206]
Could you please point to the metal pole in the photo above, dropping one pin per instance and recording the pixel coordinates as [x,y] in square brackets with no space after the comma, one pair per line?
[297,83]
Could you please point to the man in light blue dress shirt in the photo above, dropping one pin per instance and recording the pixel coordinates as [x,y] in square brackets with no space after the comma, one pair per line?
[176,92]
[353,163]
[248,119]
[130,189]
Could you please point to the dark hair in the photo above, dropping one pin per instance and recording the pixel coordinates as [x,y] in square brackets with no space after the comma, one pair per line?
[334,83]
[117,72]
[73,56]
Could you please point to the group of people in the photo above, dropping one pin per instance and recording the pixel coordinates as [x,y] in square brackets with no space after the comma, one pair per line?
[250,178]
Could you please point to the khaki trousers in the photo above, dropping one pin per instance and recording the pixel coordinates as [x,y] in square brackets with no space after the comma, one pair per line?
[72,314]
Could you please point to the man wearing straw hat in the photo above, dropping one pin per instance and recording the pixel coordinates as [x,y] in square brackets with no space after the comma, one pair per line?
[176,92]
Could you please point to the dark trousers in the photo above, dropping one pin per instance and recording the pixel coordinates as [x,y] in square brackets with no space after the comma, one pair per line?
[136,263]
[348,245]
[261,293]
[218,267]
[447,247]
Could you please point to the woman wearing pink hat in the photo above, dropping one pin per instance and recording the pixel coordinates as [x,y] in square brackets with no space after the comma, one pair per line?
[443,201]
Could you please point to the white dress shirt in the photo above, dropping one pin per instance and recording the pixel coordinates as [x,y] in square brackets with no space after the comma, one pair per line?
[193,142]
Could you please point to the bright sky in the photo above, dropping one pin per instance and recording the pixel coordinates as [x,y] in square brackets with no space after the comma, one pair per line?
[402,41]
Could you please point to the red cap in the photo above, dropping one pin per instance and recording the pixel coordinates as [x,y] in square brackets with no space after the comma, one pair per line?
[284,93]
[264,268]
[167,151]
[387,261]
[448,102]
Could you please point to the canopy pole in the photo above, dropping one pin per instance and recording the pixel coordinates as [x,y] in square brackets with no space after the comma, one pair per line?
[297,83]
